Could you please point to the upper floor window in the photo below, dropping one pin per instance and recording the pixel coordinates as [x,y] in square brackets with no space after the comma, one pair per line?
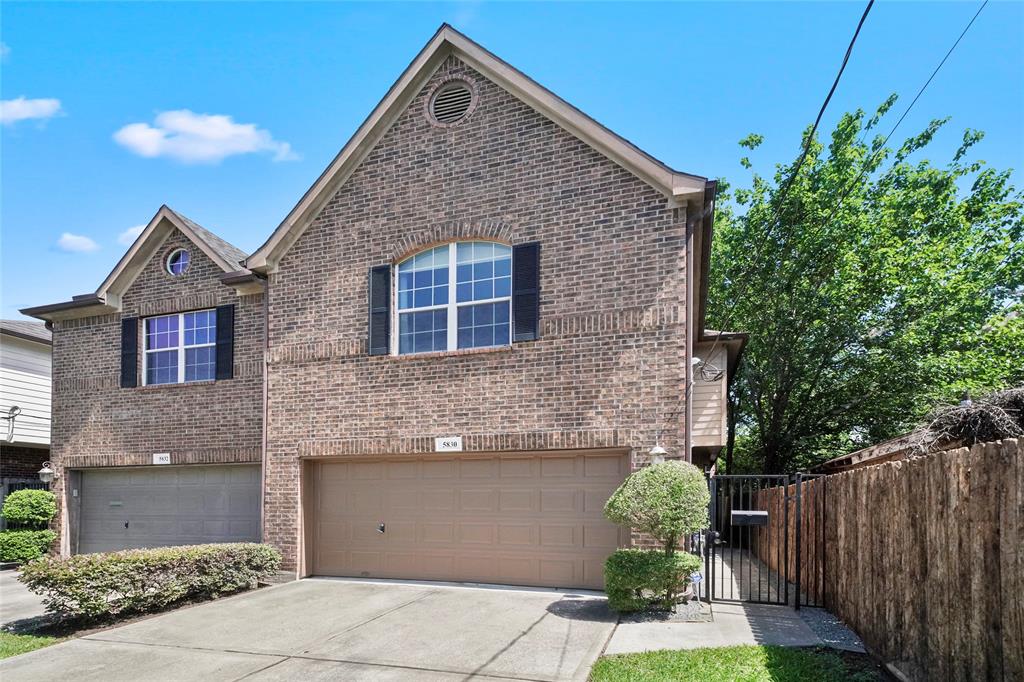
[455,296]
[178,262]
[180,348]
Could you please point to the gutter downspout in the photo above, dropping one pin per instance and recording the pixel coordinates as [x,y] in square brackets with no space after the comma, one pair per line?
[691,283]
[266,409]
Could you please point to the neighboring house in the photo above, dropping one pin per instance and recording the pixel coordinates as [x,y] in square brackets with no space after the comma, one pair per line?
[24,404]
[474,325]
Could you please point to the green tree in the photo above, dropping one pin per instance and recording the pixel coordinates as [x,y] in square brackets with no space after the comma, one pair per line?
[873,287]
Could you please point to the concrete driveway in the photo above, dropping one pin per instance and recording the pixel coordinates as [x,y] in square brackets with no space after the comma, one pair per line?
[324,629]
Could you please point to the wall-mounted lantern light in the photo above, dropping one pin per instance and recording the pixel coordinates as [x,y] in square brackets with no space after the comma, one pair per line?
[47,474]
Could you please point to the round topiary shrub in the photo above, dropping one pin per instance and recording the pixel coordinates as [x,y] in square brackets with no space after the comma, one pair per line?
[29,508]
[667,500]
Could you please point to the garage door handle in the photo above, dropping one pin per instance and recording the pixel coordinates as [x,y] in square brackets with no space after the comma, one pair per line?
[125,524]
[380,528]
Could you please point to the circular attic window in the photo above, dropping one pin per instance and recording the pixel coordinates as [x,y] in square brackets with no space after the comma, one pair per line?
[178,262]
[451,102]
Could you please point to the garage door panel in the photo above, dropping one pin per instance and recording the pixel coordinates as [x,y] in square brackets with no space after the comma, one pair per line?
[600,537]
[477,500]
[555,500]
[558,536]
[440,499]
[521,519]
[439,532]
[165,506]
[476,533]
[477,468]
[518,467]
[557,572]
[512,501]
[438,468]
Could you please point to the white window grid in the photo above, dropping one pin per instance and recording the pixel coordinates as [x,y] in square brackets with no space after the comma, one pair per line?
[452,306]
[180,348]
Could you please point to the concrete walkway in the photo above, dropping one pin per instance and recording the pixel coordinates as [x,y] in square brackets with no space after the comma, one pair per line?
[17,605]
[335,629]
[736,624]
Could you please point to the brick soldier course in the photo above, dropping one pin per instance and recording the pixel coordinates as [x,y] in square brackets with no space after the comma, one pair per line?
[617,302]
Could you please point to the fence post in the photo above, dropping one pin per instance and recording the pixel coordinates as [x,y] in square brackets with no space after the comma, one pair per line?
[709,541]
[799,518]
[785,537]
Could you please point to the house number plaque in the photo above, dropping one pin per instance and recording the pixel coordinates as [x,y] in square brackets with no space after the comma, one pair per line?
[448,444]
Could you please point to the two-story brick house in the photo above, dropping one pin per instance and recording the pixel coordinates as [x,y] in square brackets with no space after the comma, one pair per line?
[481,317]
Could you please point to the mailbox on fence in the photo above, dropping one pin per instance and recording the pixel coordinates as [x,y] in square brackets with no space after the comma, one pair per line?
[749,517]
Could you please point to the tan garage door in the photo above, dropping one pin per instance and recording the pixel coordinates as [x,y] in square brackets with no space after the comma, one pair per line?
[512,519]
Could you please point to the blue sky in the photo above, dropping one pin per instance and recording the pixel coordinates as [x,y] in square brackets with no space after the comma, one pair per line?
[113,94]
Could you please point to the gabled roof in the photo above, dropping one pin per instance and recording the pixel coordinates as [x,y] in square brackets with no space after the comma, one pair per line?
[447,41]
[228,257]
[27,329]
[108,296]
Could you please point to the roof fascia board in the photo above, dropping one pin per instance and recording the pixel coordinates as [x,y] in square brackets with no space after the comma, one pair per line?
[676,186]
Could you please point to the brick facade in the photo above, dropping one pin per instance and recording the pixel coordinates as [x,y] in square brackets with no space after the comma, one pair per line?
[99,424]
[17,461]
[609,368]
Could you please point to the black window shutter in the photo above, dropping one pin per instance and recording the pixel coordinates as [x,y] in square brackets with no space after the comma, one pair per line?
[129,352]
[380,310]
[225,342]
[526,292]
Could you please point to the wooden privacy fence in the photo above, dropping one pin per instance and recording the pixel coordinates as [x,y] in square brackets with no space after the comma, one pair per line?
[781,532]
[923,558]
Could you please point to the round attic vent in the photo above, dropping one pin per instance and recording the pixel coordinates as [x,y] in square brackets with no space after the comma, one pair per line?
[452,102]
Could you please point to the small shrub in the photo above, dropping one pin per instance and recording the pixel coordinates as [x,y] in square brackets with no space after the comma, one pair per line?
[29,508]
[668,500]
[96,586]
[636,579]
[25,545]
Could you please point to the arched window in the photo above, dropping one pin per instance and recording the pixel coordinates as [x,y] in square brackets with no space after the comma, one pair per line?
[455,296]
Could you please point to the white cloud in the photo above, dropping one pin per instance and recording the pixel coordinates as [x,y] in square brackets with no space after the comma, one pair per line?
[20,109]
[130,235]
[199,138]
[4,50]
[76,243]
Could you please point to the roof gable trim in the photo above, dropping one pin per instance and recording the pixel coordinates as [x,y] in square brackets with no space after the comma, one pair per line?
[141,251]
[447,41]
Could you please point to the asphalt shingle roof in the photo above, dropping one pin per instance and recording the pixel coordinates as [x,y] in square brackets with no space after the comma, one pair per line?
[27,329]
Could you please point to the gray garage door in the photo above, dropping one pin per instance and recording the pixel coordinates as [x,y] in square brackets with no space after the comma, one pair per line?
[169,505]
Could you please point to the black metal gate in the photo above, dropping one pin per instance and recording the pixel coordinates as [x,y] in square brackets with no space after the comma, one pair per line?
[766,536]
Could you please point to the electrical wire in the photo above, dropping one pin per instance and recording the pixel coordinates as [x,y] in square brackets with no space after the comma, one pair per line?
[879,150]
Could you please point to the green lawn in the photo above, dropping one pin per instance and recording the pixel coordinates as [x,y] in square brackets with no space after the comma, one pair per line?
[737,664]
[12,644]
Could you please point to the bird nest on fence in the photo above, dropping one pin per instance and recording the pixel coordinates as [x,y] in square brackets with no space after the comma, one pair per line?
[996,416]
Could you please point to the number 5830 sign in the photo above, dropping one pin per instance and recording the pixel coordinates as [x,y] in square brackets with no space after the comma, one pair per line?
[448,444]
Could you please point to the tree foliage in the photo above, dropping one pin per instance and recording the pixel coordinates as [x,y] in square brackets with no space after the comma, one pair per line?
[863,313]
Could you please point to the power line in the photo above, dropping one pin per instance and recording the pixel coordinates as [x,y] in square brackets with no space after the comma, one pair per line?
[821,112]
[810,139]
[867,165]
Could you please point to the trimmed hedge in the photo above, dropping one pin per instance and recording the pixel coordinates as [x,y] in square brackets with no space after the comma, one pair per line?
[637,579]
[25,545]
[29,508]
[668,500]
[96,586]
